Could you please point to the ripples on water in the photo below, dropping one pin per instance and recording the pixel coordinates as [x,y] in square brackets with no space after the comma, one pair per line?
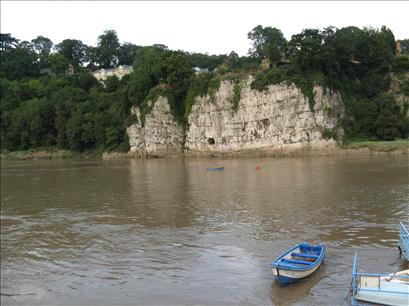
[170,232]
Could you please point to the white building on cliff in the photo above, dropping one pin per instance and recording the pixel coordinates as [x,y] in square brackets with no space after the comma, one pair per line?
[120,71]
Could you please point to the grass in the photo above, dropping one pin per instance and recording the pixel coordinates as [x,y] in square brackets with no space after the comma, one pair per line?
[49,153]
[382,146]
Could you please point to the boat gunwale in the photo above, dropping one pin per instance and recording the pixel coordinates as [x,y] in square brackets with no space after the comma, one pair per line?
[282,266]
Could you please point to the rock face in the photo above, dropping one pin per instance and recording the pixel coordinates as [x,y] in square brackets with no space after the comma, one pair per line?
[276,119]
[160,136]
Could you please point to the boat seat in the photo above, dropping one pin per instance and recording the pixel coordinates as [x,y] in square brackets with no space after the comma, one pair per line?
[299,262]
[305,255]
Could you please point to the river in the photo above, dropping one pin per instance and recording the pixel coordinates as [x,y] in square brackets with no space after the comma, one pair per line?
[169,232]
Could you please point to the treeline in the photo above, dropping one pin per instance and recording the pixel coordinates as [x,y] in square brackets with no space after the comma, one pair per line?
[76,112]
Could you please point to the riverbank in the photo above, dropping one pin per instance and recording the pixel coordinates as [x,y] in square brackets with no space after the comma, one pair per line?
[400,146]
[379,146]
[41,153]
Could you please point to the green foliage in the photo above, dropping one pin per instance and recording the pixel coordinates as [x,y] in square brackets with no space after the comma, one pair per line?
[7,42]
[59,64]
[111,84]
[126,53]
[212,87]
[198,88]
[108,49]
[149,71]
[75,51]
[131,119]
[146,106]
[18,63]
[381,146]
[68,112]
[330,134]
[42,46]
[205,60]
[267,42]
[400,63]
[236,95]
[404,43]
[404,87]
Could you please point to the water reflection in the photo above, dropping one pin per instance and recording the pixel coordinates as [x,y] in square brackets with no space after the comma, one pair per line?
[284,295]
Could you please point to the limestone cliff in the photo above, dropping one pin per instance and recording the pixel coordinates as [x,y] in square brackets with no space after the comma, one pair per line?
[276,119]
[160,136]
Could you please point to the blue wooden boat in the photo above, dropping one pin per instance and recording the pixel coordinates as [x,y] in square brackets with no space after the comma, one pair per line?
[404,241]
[215,169]
[298,262]
[384,289]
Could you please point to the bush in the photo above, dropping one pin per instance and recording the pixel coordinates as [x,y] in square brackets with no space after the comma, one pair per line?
[236,95]
[387,127]
[400,63]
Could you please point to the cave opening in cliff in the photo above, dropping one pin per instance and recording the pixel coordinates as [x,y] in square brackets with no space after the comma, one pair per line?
[211,141]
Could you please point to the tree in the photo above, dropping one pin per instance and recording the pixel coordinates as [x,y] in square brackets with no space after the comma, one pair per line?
[91,54]
[232,60]
[7,42]
[149,70]
[205,60]
[59,64]
[111,84]
[32,124]
[74,50]
[126,53]
[42,46]
[17,63]
[305,49]
[107,49]
[26,45]
[267,42]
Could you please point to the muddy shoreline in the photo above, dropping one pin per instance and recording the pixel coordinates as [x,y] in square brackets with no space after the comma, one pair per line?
[364,148]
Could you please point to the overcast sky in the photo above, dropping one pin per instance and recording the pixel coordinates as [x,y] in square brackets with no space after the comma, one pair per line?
[212,27]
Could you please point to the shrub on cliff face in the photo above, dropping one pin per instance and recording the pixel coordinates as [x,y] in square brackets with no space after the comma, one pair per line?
[201,85]
[236,95]
[401,63]
[272,76]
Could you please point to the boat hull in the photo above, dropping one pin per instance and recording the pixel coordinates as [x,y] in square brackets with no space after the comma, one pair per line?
[385,289]
[298,262]
[392,293]
[285,277]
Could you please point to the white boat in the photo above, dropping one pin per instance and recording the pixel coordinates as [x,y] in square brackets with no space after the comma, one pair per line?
[298,262]
[384,289]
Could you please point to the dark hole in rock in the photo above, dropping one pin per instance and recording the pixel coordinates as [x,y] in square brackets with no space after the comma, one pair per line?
[210,141]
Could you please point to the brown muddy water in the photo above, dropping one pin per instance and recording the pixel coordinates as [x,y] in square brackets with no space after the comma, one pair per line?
[169,232]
